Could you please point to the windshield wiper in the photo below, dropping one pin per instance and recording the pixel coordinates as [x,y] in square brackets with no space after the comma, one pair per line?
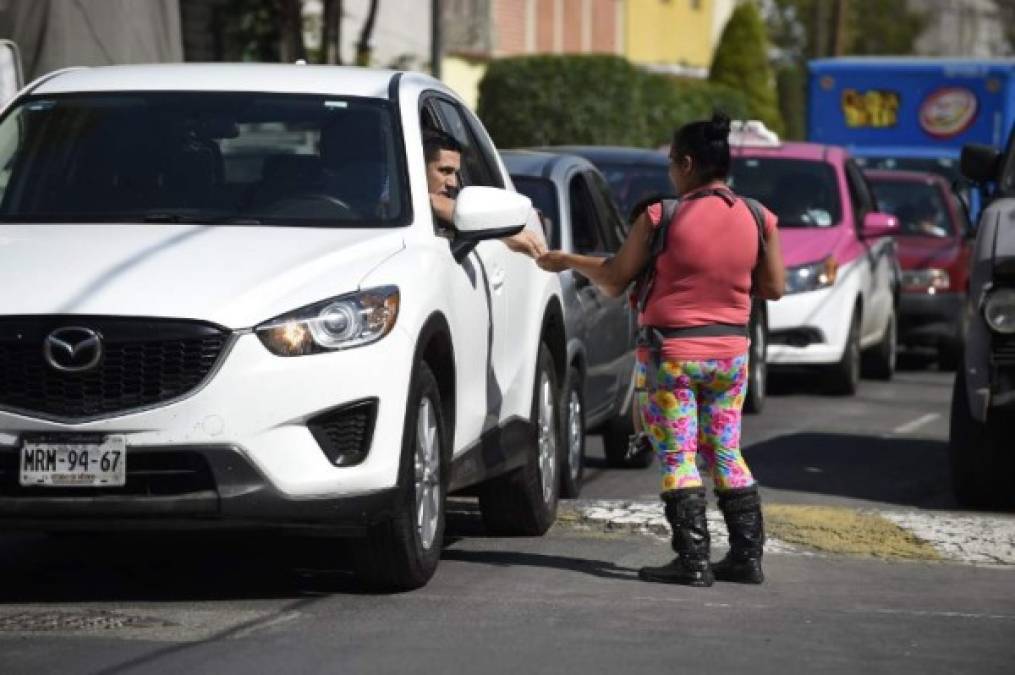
[195,220]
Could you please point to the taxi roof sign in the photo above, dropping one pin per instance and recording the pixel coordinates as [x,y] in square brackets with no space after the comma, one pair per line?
[752,133]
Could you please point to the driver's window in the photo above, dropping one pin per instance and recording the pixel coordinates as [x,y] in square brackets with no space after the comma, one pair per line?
[474,168]
[584,230]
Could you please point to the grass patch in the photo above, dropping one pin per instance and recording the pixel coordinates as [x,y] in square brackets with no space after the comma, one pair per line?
[842,530]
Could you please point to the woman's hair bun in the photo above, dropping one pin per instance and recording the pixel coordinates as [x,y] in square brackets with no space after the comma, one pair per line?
[718,128]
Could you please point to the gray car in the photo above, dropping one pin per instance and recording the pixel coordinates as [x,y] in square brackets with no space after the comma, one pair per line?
[982,438]
[580,216]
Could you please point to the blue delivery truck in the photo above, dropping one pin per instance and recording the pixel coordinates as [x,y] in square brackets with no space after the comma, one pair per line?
[911,113]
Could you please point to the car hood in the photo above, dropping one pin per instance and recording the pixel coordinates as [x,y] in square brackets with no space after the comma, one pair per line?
[916,252]
[235,276]
[804,245]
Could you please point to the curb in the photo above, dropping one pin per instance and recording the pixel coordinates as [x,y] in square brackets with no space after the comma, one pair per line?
[822,530]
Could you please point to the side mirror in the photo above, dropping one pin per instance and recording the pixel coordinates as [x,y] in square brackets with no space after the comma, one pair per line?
[876,225]
[487,213]
[980,163]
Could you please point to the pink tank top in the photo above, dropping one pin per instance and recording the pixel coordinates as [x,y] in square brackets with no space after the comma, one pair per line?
[703,275]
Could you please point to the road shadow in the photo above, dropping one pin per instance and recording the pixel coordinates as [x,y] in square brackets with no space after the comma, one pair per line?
[596,568]
[175,567]
[904,471]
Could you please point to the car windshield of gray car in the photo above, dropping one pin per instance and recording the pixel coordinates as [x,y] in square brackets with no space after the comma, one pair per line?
[802,193]
[214,158]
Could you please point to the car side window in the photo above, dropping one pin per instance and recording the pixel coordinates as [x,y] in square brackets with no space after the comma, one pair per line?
[475,170]
[611,222]
[584,222]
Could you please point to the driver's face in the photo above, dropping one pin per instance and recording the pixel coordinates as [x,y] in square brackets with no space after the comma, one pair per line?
[442,173]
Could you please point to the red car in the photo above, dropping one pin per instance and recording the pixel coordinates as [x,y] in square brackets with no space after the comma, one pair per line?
[934,249]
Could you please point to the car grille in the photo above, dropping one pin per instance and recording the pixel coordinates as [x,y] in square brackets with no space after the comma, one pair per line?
[344,434]
[148,474]
[1003,350]
[144,362]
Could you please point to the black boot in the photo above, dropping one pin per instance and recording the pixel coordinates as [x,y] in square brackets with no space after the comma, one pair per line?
[685,511]
[741,508]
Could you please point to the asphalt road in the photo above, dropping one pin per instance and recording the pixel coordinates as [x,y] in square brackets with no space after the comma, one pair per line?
[569,602]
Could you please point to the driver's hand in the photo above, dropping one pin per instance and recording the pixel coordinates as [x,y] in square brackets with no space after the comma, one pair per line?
[529,242]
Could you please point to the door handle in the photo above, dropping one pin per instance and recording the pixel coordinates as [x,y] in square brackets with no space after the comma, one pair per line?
[498,278]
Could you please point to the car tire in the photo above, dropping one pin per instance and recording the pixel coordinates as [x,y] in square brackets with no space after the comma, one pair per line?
[524,501]
[616,437]
[757,373]
[402,552]
[843,378]
[982,465]
[879,362]
[573,414]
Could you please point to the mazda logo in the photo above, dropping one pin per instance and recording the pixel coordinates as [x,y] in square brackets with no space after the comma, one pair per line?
[73,349]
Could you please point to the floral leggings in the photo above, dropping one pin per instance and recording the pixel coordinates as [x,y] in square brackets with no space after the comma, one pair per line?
[692,406]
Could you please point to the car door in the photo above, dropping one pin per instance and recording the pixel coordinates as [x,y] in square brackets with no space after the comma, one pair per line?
[607,320]
[878,277]
[492,261]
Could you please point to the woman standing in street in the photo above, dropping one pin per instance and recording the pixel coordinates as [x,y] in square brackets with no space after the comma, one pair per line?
[693,346]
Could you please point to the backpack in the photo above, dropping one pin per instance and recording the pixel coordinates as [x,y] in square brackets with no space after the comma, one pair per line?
[646,278]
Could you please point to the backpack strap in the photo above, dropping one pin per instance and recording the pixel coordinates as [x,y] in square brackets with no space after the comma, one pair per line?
[758,212]
[660,234]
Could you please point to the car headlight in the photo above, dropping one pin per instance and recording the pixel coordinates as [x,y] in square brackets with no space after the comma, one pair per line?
[344,322]
[929,280]
[812,277]
[999,310]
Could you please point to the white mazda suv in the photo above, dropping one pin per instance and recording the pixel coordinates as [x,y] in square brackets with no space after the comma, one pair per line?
[227,304]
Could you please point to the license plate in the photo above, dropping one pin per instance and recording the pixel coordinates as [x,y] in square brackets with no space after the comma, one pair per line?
[70,462]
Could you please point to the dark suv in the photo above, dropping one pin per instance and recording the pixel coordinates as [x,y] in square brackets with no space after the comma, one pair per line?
[982,442]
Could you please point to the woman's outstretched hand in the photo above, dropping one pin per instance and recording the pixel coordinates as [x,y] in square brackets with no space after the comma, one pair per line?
[553,261]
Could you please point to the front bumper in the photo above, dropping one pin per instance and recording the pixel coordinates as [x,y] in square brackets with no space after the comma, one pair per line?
[257,405]
[929,320]
[221,490]
[810,328]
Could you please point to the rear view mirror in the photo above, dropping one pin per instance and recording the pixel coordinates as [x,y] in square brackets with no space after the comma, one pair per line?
[980,163]
[876,225]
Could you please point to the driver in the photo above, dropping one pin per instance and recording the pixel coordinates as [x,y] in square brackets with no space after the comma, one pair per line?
[443,155]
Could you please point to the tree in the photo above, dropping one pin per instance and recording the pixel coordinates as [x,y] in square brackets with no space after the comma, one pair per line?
[808,29]
[741,62]
[363,49]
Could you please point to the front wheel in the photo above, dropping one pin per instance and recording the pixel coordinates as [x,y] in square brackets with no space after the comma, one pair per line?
[402,553]
[524,501]
[574,430]
[843,378]
[757,373]
[982,464]
[879,362]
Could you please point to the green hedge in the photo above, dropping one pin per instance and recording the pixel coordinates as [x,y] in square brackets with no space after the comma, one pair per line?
[601,100]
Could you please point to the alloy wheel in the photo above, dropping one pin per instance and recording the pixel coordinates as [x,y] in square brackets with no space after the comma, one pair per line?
[547,437]
[428,483]
[574,434]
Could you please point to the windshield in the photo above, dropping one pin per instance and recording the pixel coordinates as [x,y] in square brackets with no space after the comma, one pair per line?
[632,183]
[802,193]
[201,157]
[918,206]
[943,166]
[544,198]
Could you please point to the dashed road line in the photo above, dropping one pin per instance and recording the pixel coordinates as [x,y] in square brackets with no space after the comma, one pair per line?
[910,427]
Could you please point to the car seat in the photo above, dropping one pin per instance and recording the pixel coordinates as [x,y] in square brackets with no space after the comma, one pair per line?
[353,151]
